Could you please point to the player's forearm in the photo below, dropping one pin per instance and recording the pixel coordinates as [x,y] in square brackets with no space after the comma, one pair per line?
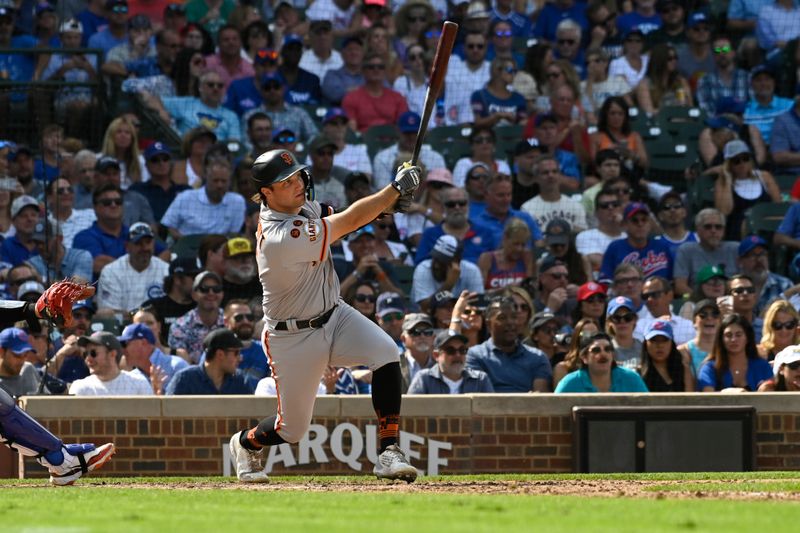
[362,212]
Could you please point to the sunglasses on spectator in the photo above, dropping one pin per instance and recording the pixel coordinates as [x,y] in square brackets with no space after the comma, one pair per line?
[554,75]
[393,317]
[91,353]
[427,332]
[455,203]
[652,294]
[384,226]
[414,57]
[483,139]
[451,350]
[743,290]
[433,34]
[709,227]
[272,86]
[739,159]
[239,317]
[214,84]
[608,205]
[108,202]
[601,348]
[722,49]
[558,275]
[623,319]
[569,42]
[375,66]
[475,46]
[672,207]
[160,159]
[119,9]
[364,298]
[503,33]
[788,325]
[596,299]
[708,314]
[286,139]
[216,289]
[416,19]
[548,330]
[623,281]
[477,177]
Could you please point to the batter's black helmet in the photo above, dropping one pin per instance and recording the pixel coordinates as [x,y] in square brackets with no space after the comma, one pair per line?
[277,165]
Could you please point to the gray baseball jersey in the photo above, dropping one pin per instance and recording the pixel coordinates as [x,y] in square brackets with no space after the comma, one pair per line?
[300,283]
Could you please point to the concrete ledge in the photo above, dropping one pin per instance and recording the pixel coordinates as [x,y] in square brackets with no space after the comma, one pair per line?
[64,407]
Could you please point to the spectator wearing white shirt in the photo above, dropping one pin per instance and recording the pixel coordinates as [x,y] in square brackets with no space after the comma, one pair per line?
[60,200]
[593,243]
[464,77]
[212,208]
[550,204]
[135,277]
[340,13]
[55,261]
[321,57]
[384,167]
[102,353]
[657,296]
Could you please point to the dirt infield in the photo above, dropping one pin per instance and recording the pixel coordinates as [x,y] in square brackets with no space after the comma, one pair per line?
[606,488]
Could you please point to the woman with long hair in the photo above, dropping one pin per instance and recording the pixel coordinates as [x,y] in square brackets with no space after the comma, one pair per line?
[426,209]
[189,170]
[410,22]
[599,371]
[663,86]
[632,64]
[189,65]
[121,143]
[786,370]
[621,321]
[387,247]
[531,79]
[255,36]
[585,327]
[197,38]
[512,262]
[780,329]
[599,85]
[664,368]
[482,140]
[495,104]
[591,303]
[706,322]
[560,241]
[378,41]
[362,296]
[739,186]
[413,83]
[614,132]
[733,362]
[559,72]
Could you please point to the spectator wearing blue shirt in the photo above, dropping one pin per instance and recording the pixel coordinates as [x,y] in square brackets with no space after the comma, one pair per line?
[777,24]
[671,214]
[187,112]
[159,190]
[239,318]
[20,246]
[93,19]
[554,12]
[46,168]
[141,354]
[599,372]
[105,239]
[650,255]
[568,46]
[218,374]
[496,105]
[167,46]
[742,15]
[510,365]
[733,361]
[785,145]
[244,94]
[116,33]
[497,197]
[501,43]
[15,67]
[54,261]
[788,233]
[476,239]
[765,106]
[302,86]
[643,16]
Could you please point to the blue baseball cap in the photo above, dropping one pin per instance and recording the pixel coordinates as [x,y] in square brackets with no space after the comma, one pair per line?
[698,17]
[16,340]
[659,328]
[156,148]
[749,243]
[731,105]
[365,230]
[334,113]
[292,38]
[83,304]
[136,331]
[722,122]
[139,231]
[634,29]
[409,122]
[272,76]
[618,303]
[762,69]
[635,207]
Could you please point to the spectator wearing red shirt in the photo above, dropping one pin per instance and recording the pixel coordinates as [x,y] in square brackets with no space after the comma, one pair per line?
[374,103]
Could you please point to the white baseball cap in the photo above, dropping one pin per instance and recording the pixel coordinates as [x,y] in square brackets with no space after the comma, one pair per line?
[72,26]
[21,203]
[788,355]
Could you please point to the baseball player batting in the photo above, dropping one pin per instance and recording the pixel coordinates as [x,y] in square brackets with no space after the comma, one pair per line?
[308,325]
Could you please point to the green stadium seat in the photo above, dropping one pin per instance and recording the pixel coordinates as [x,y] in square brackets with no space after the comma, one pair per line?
[187,246]
[379,137]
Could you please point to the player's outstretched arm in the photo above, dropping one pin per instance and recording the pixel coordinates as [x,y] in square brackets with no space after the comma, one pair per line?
[367,209]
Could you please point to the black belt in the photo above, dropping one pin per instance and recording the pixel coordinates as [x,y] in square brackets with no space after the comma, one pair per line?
[312,323]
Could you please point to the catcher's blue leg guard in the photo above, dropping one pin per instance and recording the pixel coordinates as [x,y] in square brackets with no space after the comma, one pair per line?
[20,432]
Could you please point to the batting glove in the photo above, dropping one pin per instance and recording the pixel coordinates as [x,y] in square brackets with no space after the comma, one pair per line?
[407,179]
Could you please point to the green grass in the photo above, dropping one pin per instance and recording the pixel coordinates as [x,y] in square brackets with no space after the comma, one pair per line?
[104,505]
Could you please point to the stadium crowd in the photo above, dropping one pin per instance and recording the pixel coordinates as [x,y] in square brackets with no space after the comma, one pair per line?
[550,248]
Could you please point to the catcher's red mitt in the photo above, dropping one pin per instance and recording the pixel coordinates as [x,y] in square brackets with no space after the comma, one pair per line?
[56,302]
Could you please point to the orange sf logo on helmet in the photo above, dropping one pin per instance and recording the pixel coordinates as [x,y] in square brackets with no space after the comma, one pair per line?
[287,158]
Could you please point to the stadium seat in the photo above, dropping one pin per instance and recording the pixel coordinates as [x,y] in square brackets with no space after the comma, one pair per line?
[404,275]
[669,161]
[450,141]
[187,246]
[379,137]
[763,219]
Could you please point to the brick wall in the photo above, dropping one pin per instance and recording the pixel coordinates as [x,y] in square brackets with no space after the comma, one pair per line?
[509,433]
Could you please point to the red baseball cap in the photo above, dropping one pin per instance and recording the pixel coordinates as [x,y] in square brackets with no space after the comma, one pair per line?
[587,290]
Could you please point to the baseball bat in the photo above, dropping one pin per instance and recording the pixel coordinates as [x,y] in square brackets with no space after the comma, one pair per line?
[438,72]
